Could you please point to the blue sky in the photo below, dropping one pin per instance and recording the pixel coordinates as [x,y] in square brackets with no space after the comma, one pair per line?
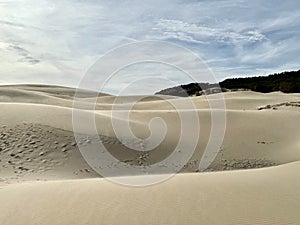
[56,42]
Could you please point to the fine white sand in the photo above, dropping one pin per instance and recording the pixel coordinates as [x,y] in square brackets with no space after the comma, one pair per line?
[45,180]
[259,196]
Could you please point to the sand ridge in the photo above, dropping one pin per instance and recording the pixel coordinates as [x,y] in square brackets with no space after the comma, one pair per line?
[268,138]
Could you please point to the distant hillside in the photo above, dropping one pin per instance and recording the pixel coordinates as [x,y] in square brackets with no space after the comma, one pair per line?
[287,82]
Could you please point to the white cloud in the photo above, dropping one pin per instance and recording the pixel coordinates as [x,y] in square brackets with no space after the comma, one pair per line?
[202,34]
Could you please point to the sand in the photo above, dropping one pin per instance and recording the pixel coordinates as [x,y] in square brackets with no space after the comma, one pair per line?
[45,180]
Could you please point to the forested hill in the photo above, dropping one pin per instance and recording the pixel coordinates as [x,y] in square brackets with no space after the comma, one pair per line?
[287,82]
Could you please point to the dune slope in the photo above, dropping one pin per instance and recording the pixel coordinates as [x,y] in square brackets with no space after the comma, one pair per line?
[260,196]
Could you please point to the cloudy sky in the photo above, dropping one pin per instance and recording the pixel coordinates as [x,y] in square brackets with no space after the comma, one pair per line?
[57,41]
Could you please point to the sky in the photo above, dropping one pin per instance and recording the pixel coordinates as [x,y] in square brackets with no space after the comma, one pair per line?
[57,41]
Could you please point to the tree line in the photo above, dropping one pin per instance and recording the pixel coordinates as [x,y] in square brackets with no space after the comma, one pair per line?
[287,82]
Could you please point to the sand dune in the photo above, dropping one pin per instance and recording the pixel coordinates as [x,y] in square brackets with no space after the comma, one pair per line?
[260,196]
[39,156]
